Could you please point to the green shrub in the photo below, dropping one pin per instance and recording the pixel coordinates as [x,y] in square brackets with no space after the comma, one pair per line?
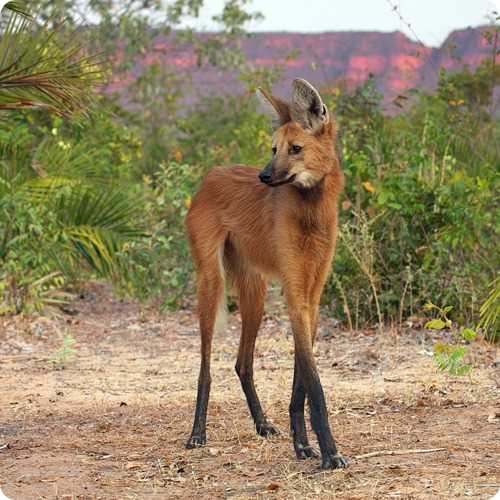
[65,215]
[420,187]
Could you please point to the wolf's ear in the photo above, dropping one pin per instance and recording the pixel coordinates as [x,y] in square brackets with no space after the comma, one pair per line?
[278,109]
[307,107]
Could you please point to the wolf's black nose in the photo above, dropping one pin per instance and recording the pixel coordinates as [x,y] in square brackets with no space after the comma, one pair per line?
[264,177]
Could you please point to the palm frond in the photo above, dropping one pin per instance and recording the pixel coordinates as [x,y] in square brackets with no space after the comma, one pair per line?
[52,167]
[41,189]
[44,68]
[18,7]
[108,209]
[490,312]
[97,225]
[54,157]
[95,245]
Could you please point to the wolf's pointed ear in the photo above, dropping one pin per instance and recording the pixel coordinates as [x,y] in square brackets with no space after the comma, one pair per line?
[307,107]
[278,109]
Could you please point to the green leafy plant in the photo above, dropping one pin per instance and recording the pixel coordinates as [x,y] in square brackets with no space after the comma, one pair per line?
[449,357]
[60,358]
[63,217]
[442,321]
[161,266]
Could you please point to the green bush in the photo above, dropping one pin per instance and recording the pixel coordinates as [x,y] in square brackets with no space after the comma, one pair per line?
[66,213]
[420,192]
[160,267]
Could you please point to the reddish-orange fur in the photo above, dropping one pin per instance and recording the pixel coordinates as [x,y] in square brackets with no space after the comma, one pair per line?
[246,232]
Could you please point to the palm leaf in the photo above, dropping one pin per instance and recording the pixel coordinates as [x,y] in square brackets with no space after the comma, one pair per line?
[44,68]
[53,168]
[95,226]
[76,161]
[95,245]
[18,7]
[490,312]
[41,189]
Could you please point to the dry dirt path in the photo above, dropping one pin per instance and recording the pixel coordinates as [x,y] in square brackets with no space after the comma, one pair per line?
[113,422]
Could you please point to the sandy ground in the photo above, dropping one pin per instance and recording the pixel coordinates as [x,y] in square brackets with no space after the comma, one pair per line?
[113,422]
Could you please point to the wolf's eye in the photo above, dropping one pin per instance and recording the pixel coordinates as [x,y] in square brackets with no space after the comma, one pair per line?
[274,150]
[296,149]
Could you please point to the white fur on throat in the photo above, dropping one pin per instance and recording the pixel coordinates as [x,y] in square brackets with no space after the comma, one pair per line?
[305,179]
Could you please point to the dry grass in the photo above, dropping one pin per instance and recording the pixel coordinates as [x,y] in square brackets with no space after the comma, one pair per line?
[113,423]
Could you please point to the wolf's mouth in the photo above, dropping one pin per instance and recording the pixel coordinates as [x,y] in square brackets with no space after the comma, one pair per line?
[283,181]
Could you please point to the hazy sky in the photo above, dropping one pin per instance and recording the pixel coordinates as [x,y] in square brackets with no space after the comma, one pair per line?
[431,20]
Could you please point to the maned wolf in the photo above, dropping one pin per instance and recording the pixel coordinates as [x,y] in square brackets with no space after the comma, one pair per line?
[247,227]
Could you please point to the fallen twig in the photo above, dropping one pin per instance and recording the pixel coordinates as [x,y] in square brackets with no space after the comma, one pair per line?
[383,453]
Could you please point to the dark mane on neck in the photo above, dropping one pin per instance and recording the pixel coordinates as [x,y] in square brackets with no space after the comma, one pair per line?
[313,194]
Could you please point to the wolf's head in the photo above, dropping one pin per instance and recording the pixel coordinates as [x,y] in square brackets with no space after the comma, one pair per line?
[302,147]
